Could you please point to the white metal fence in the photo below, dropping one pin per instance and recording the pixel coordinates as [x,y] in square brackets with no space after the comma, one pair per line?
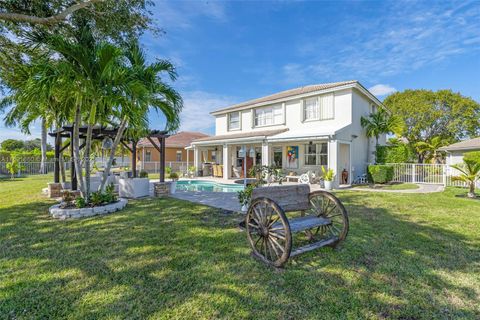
[33,168]
[425,173]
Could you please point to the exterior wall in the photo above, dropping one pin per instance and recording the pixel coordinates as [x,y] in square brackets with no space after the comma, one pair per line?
[456,157]
[170,154]
[293,114]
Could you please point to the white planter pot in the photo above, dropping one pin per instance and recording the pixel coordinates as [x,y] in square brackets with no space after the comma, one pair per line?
[134,187]
[173,187]
[244,208]
[328,185]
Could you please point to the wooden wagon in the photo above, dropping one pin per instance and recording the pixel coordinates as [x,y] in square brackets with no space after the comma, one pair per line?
[322,217]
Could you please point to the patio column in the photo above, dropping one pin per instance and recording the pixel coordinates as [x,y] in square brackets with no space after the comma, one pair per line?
[196,158]
[333,159]
[265,154]
[226,161]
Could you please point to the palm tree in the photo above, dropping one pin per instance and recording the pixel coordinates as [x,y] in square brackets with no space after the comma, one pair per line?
[144,91]
[379,123]
[429,149]
[470,174]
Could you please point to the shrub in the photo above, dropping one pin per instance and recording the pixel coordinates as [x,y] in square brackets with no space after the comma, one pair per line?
[472,156]
[244,196]
[380,173]
[143,174]
[174,176]
[109,196]
[168,170]
[80,202]
[96,198]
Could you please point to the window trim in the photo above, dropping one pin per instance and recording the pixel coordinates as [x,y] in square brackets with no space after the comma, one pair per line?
[239,121]
[272,106]
[318,154]
[179,152]
[317,98]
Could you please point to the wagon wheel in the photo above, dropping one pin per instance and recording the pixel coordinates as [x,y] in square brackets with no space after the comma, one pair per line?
[325,205]
[268,232]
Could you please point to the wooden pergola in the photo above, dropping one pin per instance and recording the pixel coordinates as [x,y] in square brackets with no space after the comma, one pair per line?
[100,133]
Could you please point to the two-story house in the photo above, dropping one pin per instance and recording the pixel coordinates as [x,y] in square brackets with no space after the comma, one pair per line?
[298,130]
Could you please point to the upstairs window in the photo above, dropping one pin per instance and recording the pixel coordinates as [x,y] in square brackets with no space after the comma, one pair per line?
[179,155]
[148,156]
[234,121]
[268,116]
[318,108]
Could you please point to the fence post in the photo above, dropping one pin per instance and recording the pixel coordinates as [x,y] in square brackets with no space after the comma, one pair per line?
[444,175]
[413,173]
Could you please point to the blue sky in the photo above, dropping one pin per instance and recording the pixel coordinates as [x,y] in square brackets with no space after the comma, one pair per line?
[227,52]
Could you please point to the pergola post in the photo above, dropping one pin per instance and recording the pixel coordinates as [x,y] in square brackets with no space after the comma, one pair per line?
[134,158]
[56,169]
[162,158]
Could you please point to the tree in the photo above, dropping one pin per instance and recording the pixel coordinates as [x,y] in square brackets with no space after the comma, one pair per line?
[429,149]
[379,123]
[12,144]
[53,19]
[427,114]
[470,173]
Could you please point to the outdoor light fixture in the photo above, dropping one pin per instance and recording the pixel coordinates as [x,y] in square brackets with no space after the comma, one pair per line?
[241,152]
[107,143]
[252,153]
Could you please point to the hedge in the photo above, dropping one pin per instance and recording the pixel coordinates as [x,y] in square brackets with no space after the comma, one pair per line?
[394,154]
[27,156]
[380,173]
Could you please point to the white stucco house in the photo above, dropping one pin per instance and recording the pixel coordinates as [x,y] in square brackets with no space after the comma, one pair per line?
[298,130]
[456,151]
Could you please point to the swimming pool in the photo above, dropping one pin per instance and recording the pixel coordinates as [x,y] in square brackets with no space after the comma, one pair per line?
[201,185]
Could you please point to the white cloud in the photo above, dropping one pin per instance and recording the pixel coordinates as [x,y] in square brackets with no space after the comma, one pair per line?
[382,89]
[405,39]
[197,107]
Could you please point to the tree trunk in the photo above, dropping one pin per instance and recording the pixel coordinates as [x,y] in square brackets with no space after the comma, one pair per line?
[376,149]
[116,142]
[471,192]
[75,143]
[43,147]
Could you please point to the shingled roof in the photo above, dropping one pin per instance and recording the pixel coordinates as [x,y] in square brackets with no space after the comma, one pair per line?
[179,140]
[472,144]
[287,94]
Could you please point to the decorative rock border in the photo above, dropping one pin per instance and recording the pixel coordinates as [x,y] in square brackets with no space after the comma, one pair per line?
[63,214]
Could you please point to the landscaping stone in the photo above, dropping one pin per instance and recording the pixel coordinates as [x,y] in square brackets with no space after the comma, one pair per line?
[74,213]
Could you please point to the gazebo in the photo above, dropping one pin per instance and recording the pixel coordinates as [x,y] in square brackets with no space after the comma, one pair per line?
[100,133]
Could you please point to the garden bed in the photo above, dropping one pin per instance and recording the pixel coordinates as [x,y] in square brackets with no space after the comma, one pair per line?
[65,213]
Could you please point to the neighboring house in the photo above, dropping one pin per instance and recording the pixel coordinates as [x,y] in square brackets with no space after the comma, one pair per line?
[175,153]
[455,151]
[299,130]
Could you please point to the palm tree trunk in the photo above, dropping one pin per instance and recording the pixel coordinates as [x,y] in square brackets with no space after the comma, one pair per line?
[76,151]
[471,192]
[116,142]
[43,147]
[376,149]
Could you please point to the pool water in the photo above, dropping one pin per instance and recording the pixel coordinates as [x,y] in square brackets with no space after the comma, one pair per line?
[200,185]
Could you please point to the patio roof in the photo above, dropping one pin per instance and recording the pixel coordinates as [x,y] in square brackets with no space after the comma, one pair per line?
[471,144]
[239,137]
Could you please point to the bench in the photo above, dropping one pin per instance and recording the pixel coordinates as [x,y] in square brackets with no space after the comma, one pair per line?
[323,218]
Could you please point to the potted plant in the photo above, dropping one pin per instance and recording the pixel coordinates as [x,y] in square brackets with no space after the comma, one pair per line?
[244,197]
[173,185]
[328,176]
[191,171]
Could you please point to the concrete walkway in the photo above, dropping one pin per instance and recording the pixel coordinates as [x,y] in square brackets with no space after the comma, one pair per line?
[222,200]
[423,188]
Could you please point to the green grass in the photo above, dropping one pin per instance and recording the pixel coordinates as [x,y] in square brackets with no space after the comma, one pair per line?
[407,256]
[396,186]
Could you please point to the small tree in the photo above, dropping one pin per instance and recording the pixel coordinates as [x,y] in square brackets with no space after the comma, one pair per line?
[13,167]
[470,174]
[379,123]
[429,149]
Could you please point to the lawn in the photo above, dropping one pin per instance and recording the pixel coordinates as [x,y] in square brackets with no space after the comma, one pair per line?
[408,256]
